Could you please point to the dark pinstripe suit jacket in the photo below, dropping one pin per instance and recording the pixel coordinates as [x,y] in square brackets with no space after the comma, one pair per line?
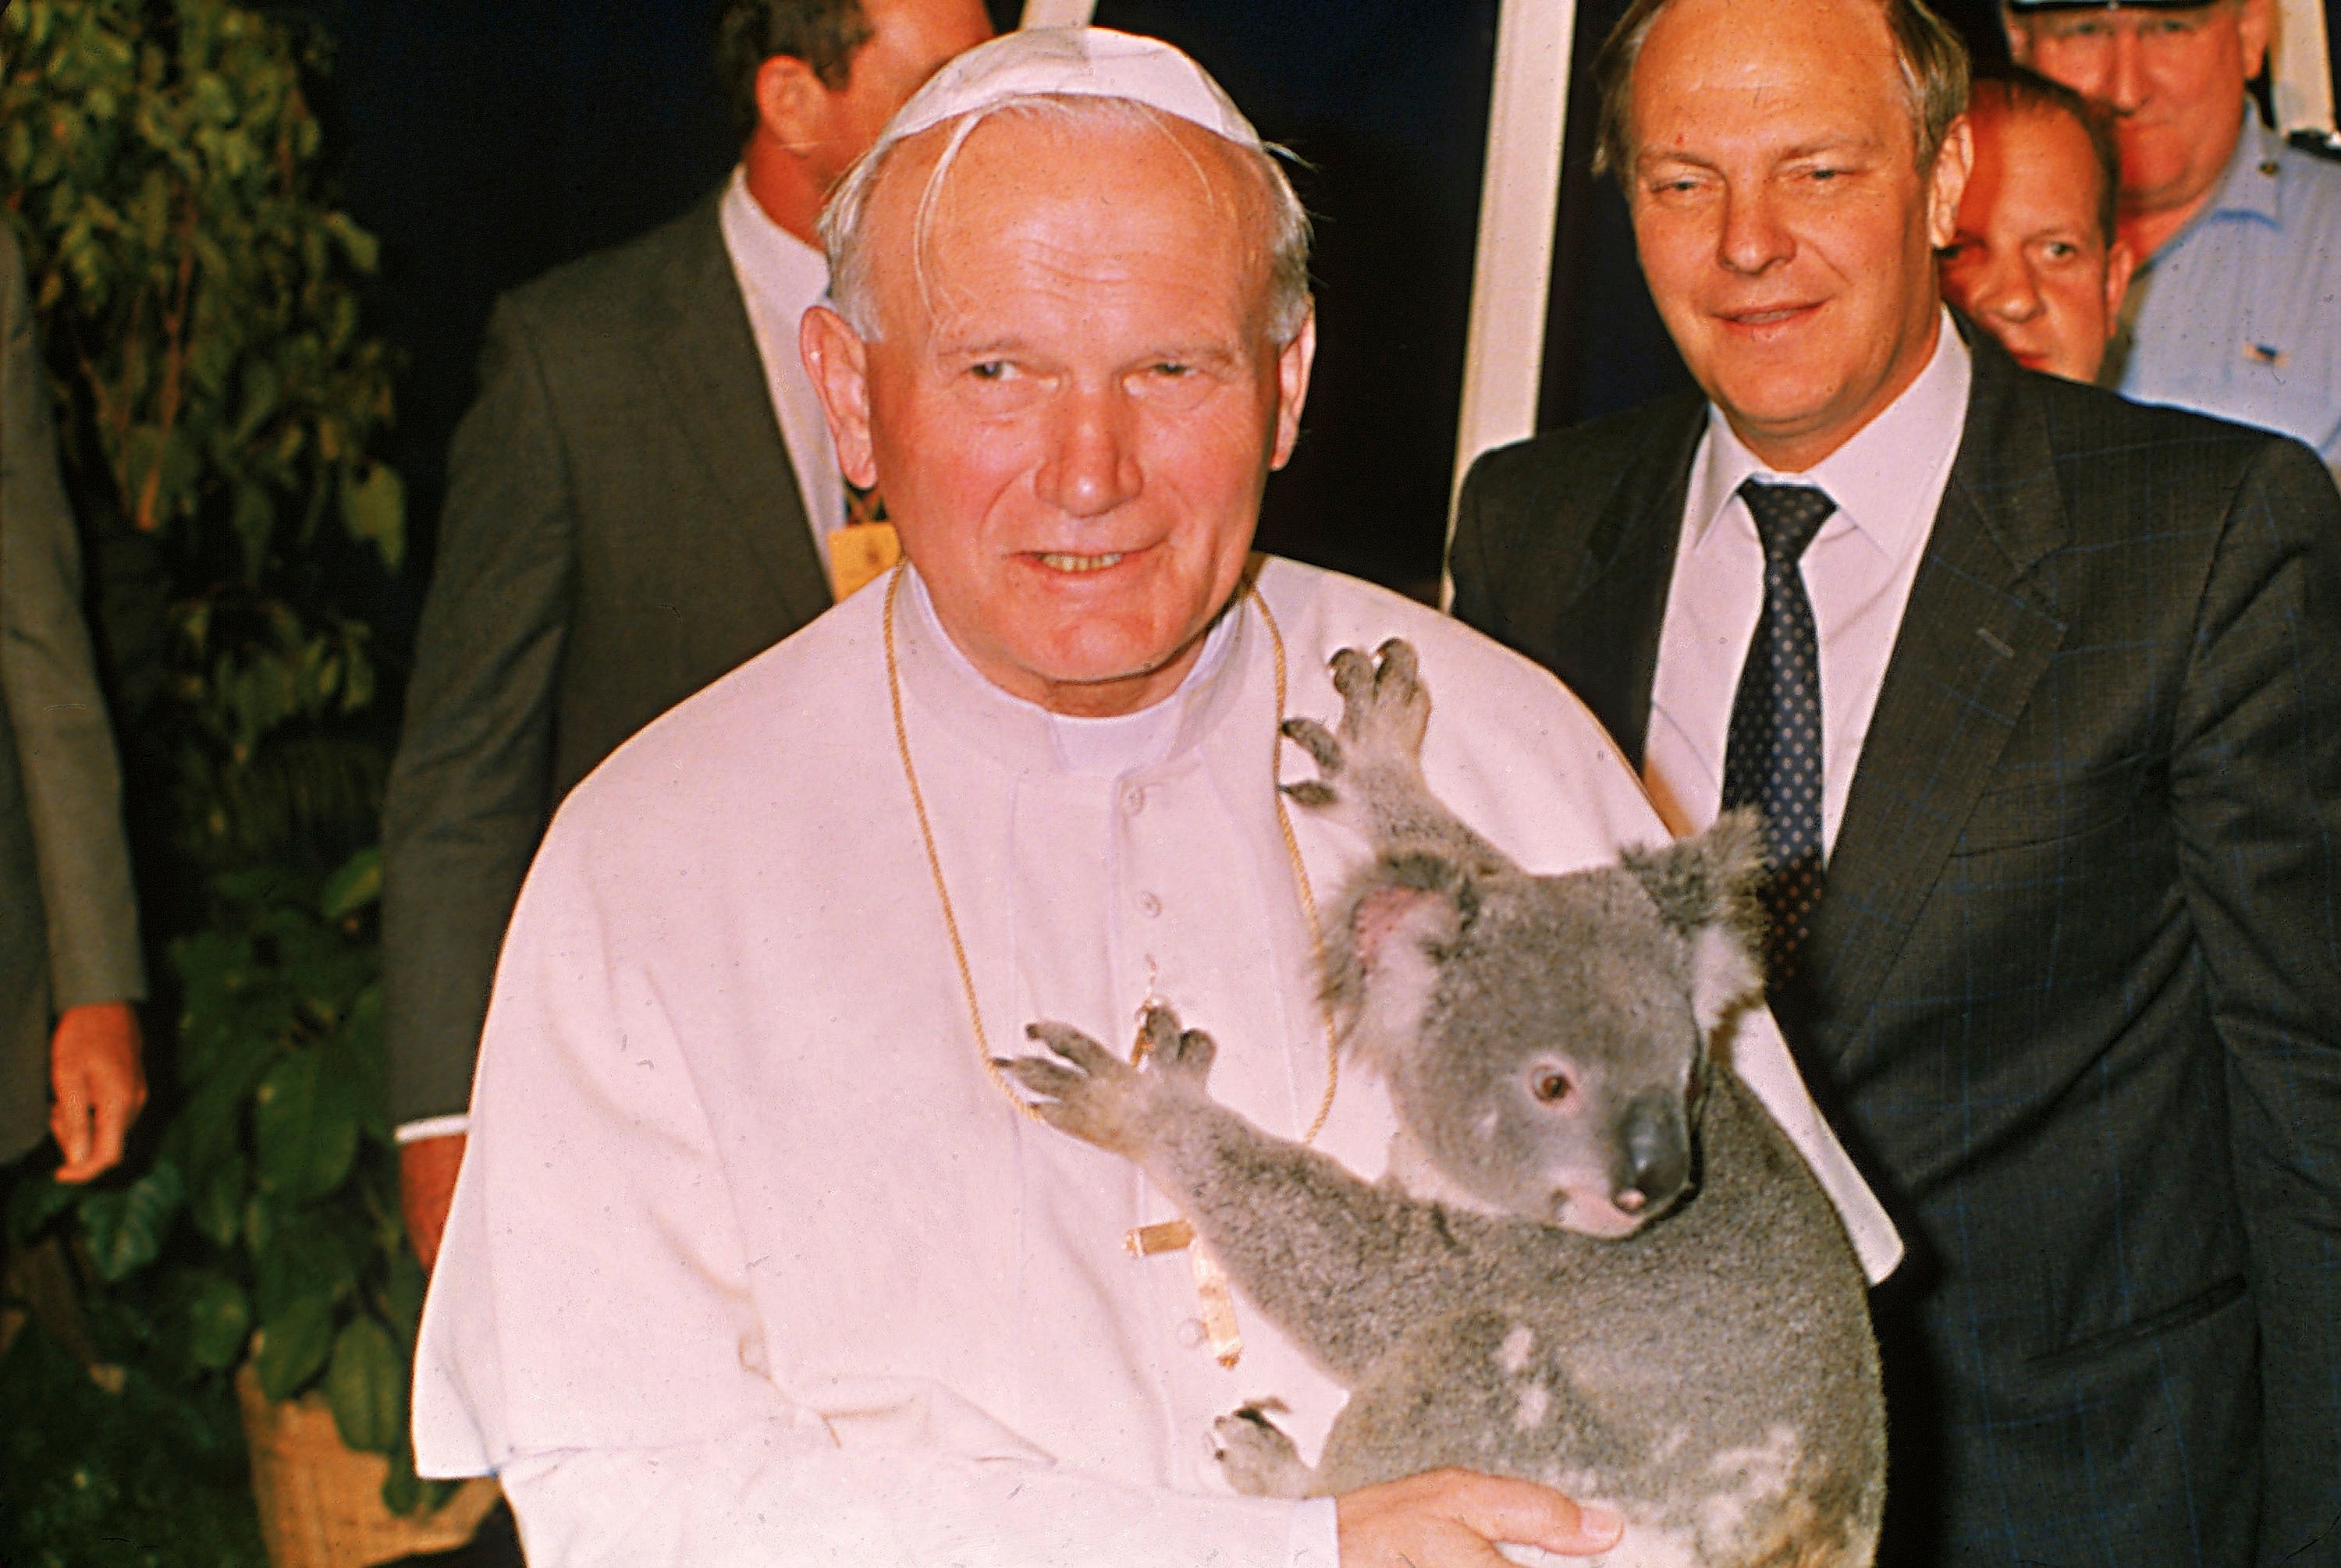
[2073,990]
[622,526]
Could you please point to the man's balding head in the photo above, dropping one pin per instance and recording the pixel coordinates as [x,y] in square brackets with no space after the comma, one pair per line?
[1933,63]
[1069,352]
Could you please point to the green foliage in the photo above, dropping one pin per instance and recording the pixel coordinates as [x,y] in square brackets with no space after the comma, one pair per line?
[218,400]
[147,1475]
[163,162]
[218,396]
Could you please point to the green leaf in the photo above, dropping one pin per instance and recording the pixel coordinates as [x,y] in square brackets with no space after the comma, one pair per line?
[374,508]
[355,885]
[402,1293]
[314,1256]
[219,1320]
[126,1229]
[215,1201]
[304,1127]
[292,1348]
[360,1051]
[32,1203]
[367,1386]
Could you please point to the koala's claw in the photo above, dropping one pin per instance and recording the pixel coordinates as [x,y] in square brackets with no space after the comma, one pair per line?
[1316,740]
[1259,1459]
[1083,1088]
[1385,708]
[1175,1053]
[1079,1087]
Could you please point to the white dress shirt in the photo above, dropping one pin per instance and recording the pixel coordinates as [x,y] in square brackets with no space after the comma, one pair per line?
[752,1263]
[781,277]
[1887,483]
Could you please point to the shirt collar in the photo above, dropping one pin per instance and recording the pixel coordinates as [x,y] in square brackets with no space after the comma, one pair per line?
[1870,477]
[788,275]
[2248,186]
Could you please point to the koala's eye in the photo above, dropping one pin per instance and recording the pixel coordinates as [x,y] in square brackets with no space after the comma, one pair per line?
[1550,1087]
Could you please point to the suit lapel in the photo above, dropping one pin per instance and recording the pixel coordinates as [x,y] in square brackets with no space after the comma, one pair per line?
[1613,612]
[704,353]
[1975,638]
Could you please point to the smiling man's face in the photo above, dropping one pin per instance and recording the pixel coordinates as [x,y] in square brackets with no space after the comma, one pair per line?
[1784,224]
[1074,399]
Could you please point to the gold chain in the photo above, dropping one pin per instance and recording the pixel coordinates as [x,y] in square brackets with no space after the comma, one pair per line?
[951,918]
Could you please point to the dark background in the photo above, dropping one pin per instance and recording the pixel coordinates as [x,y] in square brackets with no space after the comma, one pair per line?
[484,142]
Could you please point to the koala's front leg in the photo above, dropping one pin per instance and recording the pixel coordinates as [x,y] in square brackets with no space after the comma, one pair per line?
[1341,1266]
[1371,769]
[1125,1109]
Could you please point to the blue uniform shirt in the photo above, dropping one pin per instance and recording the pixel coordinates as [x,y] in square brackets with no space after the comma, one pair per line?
[2239,313]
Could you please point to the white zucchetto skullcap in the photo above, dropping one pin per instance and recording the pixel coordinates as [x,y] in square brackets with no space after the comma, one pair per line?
[1076,62]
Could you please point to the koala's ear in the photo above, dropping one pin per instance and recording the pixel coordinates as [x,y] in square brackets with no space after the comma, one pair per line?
[1704,889]
[1399,920]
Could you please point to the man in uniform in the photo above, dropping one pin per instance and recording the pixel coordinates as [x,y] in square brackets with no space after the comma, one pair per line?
[2034,687]
[642,497]
[2036,259]
[754,1258]
[2236,307]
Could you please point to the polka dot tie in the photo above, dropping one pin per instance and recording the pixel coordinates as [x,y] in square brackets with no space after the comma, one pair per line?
[1773,761]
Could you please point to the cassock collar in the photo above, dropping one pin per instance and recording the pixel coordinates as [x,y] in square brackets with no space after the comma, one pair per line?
[1023,737]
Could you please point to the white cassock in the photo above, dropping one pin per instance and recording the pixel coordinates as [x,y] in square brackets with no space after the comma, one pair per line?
[752,1262]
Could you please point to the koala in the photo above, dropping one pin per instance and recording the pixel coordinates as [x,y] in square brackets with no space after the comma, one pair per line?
[1595,1262]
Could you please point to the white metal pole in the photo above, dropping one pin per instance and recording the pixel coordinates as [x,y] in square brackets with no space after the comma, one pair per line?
[1503,358]
[1058,13]
[2303,68]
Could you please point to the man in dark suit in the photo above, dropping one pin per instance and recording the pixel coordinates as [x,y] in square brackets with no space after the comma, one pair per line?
[644,497]
[69,963]
[2035,688]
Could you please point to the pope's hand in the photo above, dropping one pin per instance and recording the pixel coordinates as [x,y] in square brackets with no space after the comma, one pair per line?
[1453,1519]
[100,1085]
[426,1185]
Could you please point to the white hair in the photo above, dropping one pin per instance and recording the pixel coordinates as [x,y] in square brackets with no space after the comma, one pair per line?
[1283,238]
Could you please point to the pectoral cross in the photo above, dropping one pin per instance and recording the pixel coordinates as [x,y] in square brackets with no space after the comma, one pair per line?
[1219,1303]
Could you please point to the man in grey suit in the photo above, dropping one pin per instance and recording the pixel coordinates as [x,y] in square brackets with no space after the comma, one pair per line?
[2035,688]
[642,498]
[70,969]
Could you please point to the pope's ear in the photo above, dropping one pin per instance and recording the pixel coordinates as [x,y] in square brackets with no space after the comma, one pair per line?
[1293,362]
[838,362]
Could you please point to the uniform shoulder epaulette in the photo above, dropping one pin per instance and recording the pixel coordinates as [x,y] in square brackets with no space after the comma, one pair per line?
[2326,145]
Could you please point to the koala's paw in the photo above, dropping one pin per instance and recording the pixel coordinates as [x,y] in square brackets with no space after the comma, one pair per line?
[1259,1459]
[1083,1088]
[1385,708]
[1181,1056]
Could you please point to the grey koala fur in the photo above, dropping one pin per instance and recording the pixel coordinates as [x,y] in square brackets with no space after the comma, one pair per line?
[1595,1263]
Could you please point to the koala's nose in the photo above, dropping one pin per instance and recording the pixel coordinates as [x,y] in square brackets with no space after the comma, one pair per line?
[1654,1145]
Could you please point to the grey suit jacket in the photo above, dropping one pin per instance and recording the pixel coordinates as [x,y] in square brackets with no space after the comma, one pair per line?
[68,918]
[2073,992]
[622,526]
